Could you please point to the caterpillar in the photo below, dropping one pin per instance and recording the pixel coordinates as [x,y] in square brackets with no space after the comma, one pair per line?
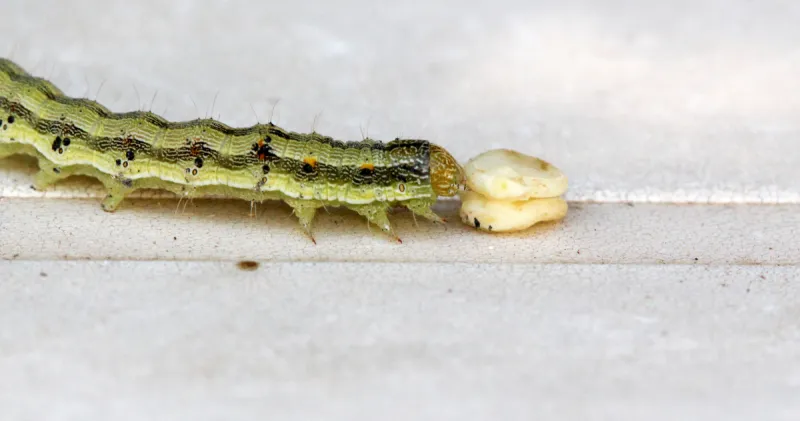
[205,157]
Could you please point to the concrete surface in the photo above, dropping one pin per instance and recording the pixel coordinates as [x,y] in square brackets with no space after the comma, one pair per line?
[670,292]
[299,341]
[222,230]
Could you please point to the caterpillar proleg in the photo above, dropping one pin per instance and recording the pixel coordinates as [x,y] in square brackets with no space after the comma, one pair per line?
[204,157]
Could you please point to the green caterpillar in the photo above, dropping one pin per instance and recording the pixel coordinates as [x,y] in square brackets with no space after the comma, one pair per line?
[204,157]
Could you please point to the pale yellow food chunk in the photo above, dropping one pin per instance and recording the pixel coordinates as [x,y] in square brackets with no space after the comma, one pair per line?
[509,215]
[509,175]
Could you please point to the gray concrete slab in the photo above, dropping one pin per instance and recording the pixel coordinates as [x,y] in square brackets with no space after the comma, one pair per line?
[363,341]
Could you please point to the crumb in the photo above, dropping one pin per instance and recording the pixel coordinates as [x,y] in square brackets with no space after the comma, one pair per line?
[248,265]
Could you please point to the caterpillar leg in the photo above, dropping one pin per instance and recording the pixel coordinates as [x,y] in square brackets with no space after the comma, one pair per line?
[422,207]
[113,199]
[49,174]
[376,213]
[305,212]
[116,190]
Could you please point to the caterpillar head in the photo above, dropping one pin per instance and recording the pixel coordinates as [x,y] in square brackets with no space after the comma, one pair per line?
[447,176]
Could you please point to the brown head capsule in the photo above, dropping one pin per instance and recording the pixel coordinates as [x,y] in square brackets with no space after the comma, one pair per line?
[447,176]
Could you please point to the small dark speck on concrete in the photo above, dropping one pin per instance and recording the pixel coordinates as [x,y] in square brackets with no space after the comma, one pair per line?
[43,274]
[174,238]
[449,290]
[696,259]
[247,265]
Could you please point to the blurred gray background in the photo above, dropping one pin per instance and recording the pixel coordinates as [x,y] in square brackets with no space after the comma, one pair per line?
[637,101]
